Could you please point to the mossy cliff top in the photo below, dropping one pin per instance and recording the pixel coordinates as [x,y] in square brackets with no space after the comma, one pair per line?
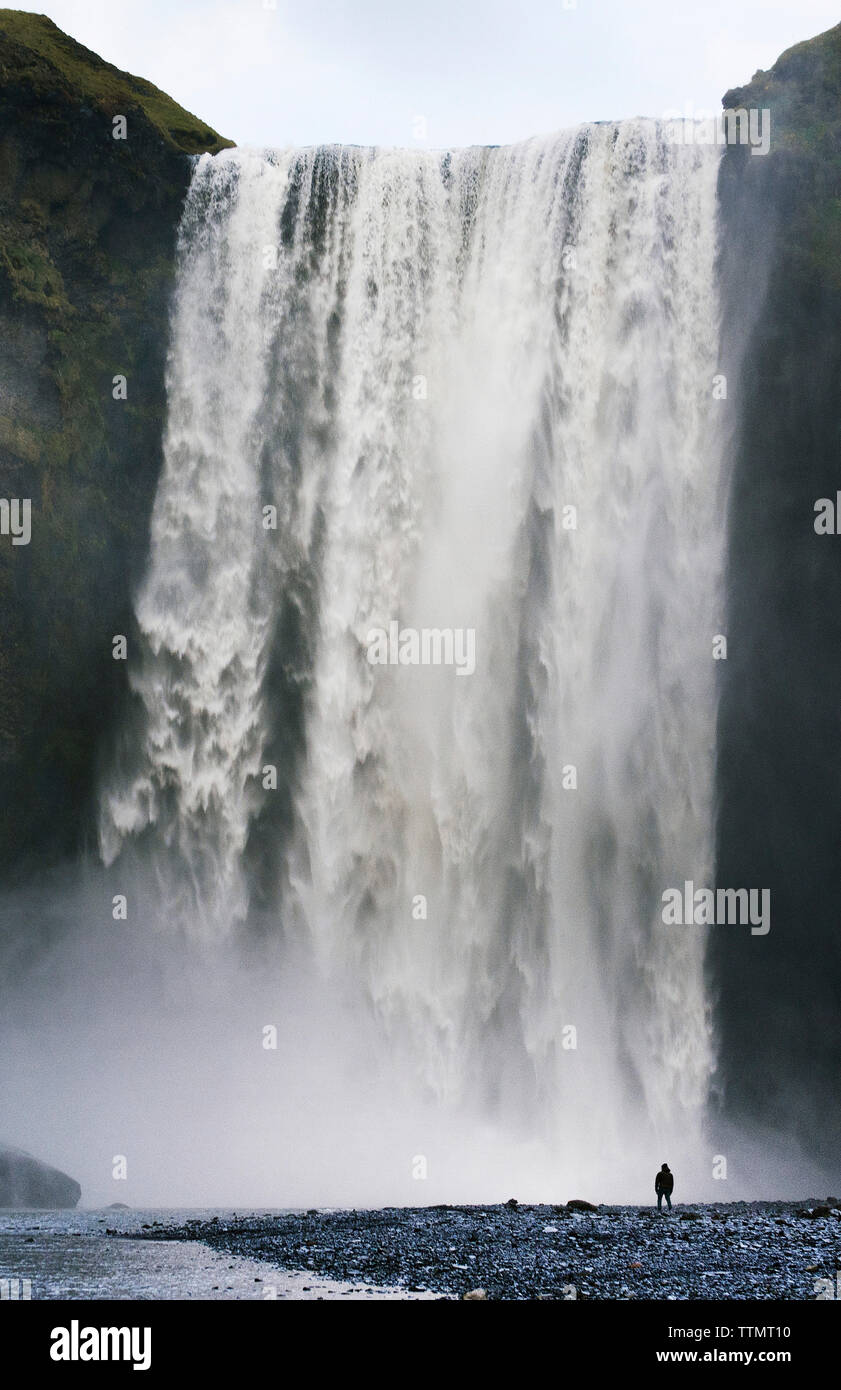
[802,91]
[35,52]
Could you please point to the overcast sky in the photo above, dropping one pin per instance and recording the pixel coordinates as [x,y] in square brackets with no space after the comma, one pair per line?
[477,71]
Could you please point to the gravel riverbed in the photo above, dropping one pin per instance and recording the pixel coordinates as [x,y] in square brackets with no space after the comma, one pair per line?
[736,1250]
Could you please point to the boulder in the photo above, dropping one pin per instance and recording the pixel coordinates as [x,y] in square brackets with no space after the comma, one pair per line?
[474,1296]
[579,1204]
[27,1182]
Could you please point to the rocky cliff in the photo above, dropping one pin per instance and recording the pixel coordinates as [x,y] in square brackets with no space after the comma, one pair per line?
[779,774]
[27,1182]
[87,228]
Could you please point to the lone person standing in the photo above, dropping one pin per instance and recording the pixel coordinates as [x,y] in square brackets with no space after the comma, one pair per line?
[663,1185]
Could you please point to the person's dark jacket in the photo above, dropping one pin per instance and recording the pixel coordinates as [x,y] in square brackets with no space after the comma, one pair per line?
[664,1182]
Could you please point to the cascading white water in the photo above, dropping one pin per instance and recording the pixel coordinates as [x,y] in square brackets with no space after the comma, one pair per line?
[477,388]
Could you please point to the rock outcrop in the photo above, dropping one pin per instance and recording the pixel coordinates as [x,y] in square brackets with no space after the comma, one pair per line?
[27,1182]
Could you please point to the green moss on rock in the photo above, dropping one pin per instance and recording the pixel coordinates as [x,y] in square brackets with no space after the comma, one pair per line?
[55,62]
[802,91]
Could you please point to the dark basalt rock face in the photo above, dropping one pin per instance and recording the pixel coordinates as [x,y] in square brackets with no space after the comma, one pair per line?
[779,743]
[87,233]
[26,1182]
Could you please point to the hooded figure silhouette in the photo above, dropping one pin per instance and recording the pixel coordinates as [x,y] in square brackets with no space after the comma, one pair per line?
[663,1185]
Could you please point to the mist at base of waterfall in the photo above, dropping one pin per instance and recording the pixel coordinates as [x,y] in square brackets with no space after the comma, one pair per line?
[119,1042]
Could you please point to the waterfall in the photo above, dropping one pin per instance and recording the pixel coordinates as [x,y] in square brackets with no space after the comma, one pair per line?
[466,391]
